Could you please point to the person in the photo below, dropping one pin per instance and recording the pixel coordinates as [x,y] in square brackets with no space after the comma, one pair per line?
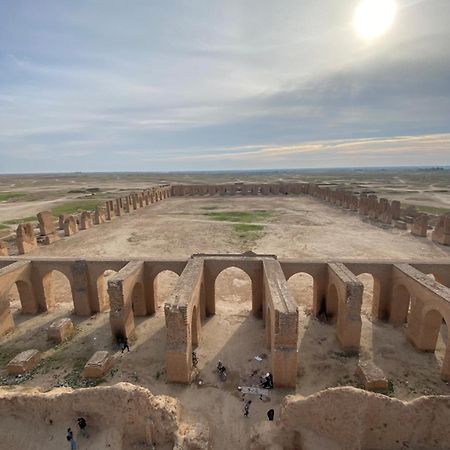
[194,359]
[82,425]
[69,437]
[247,407]
[222,370]
[270,414]
[124,344]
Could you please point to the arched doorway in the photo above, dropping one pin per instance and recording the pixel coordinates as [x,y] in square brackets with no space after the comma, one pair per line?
[400,304]
[233,291]
[368,282]
[301,286]
[163,285]
[433,328]
[58,291]
[102,289]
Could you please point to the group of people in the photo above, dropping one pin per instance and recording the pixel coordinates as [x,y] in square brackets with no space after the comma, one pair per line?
[81,421]
[266,382]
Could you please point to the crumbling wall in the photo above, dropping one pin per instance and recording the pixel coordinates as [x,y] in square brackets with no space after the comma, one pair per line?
[353,419]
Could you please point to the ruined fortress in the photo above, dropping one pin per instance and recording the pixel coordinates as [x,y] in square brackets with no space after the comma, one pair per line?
[415,292]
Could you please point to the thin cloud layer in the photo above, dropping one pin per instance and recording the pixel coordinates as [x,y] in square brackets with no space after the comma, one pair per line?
[219,85]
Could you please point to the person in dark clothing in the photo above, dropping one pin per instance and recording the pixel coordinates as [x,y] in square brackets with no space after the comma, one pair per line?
[69,437]
[247,407]
[270,414]
[194,359]
[123,343]
[82,425]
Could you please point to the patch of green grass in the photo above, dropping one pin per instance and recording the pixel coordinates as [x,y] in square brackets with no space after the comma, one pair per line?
[21,220]
[12,196]
[3,226]
[247,227]
[248,231]
[75,206]
[430,209]
[241,216]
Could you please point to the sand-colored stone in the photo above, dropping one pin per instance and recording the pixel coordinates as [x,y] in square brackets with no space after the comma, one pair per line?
[85,220]
[25,238]
[23,362]
[60,330]
[401,225]
[420,225]
[99,215]
[98,365]
[46,223]
[372,377]
[70,226]
[441,232]
[61,219]
[3,249]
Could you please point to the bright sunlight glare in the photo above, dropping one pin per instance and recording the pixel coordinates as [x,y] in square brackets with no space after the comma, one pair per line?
[374,17]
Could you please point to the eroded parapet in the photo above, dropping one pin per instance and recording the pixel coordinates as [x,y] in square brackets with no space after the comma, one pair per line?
[428,303]
[343,305]
[61,219]
[85,220]
[441,232]
[46,224]
[118,208]
[70,226]
[281,321]
[183,323]
[99,215]
[126,296]
[25,238]
[384,211]
[420,225]
[109,210]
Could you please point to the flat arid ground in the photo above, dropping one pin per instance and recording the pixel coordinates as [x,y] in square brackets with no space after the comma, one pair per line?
[290,227]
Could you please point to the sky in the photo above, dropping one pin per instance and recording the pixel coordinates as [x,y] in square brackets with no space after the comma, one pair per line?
[109,85]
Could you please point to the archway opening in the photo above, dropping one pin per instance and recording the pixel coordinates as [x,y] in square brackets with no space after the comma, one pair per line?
[58,291]
[301,286]
[233,291]
[369,293]
[102,288]
[332,304]
[400,305]
[434,331]
[163,285]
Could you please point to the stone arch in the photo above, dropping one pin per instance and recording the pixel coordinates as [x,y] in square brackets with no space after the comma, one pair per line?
[102,288]
[57,288]
[302,287]
[430,327]
[400,303]
[237,283]
[163,285]
[332,303]
[26,296]
[370,292]
[138,300]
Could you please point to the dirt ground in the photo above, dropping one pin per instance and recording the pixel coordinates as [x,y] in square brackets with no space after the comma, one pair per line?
[300,227]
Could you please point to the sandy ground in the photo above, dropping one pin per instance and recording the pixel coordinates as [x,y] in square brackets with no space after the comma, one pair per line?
[301,227]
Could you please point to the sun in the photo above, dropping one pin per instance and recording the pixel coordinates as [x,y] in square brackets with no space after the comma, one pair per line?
[374,17]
